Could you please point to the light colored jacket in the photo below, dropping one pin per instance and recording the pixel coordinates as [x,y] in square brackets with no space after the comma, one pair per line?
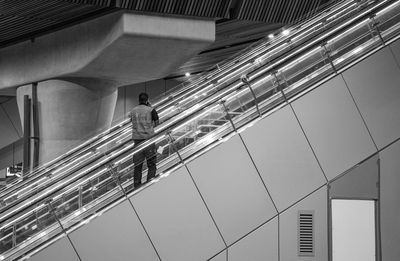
[142,122]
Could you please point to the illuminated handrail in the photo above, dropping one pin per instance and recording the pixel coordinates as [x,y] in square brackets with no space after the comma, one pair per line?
[184,115]
[255,96]
[161,100]
[184,96]
[176,91]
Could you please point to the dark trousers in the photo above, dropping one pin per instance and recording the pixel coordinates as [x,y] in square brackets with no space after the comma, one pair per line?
[148,153]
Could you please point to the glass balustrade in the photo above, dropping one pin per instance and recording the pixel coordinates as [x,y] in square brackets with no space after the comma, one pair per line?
[190,95]
[173,95]
[87,190]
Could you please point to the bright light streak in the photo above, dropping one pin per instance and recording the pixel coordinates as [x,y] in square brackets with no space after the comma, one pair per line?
[332,17]
[20,217]
[339,60]
[72,162]
[190,97]
[80,183]
[306,31]
[358,49]
[234,73]
[262,80]
[352,29]
[301,58]
[238,94]
[195,118]
[258,60]
[207,139]
[386,9]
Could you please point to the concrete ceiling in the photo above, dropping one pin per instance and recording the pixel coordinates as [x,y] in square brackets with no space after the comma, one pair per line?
[238,22]
[232,36]
[113,49]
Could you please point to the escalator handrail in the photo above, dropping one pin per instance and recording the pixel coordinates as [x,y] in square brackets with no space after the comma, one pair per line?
[48,167]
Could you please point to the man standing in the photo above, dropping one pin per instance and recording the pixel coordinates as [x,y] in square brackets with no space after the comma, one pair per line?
[144,118]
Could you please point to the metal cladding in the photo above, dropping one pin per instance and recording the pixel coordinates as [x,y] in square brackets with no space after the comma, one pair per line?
[22,20]
[276,11]
[205,8]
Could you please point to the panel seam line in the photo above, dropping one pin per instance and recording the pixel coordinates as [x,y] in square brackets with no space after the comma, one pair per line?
[205,204]
[309,143]
[144,228]
[258,172]
[359,111]
[9,118]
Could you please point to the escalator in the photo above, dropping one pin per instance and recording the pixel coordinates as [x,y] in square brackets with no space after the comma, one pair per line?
[61,196]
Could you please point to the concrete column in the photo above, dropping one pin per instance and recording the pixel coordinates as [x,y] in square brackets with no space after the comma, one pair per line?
[87,61]
[70,111]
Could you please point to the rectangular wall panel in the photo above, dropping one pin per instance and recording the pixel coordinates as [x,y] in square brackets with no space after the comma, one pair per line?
[353,230]
[60,250]
[11,108]
[232,189]
[283,157]
[260,245]
[395,49]
[375,85]
[288,228]
[116,235]
[8,133]
[390,202]
[177,220]
[334,127]
[361,182]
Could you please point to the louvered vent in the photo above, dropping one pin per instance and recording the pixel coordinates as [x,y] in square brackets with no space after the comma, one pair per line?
[306,233]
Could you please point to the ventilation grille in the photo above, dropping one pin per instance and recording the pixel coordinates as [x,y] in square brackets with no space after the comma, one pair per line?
[306,233]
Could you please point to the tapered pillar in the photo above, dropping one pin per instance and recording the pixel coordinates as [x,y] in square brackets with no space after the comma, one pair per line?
[79,68]
[69,112]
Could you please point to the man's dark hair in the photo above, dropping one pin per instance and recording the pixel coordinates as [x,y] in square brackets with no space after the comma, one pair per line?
[143,98]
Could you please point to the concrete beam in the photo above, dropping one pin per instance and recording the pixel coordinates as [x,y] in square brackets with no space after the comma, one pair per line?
[121,47]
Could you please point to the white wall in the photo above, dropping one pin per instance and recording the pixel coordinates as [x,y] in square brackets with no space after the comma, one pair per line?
[353,230]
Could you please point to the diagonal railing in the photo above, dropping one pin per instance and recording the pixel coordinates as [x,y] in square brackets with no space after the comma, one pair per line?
[182,100]
[256,91]
[177,101]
